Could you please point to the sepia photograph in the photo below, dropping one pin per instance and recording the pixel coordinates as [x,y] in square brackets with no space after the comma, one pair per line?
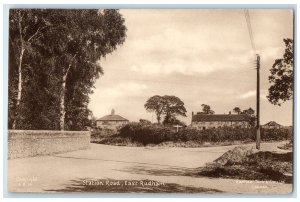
[190,101]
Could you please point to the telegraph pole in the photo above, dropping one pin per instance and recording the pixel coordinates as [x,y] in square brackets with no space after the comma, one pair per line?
[257,101]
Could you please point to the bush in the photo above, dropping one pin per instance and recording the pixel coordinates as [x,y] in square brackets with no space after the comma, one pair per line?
[146,133]
[276,134]
[218,134]
[99,132]
[156,134]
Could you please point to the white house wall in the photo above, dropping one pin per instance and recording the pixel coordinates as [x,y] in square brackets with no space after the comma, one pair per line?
[217,124]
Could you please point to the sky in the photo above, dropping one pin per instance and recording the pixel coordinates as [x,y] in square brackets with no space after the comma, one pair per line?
[201,56]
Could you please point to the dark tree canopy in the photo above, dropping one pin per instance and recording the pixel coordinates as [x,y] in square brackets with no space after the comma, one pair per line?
[237,110]
[251,113]
[155,104]
[206,109]
[173,107]
[281,77]
[67,49]
[168,106]
[248,111]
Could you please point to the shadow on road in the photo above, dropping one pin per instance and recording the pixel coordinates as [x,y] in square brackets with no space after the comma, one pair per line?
[168,171]
[129,186]
[115,161]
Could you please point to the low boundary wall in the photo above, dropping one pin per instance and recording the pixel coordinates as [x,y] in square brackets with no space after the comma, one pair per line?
[29,143]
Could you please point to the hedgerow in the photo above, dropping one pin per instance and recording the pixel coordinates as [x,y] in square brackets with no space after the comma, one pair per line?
[156,134]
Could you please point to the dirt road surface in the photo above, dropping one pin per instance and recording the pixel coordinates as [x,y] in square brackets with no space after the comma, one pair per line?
[105,168]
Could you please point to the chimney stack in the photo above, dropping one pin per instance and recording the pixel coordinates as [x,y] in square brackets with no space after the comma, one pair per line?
[192,113]
[112,112]
[229,112]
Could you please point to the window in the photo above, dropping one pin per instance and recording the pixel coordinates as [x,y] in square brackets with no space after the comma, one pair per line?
[203,128]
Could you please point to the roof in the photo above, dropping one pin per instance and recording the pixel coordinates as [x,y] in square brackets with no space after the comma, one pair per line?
[112,117]
[219,117]
[272,123]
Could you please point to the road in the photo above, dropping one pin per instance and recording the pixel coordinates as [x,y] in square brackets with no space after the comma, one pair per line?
[114,164]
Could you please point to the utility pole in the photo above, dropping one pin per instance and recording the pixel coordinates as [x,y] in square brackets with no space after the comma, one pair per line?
[257,101]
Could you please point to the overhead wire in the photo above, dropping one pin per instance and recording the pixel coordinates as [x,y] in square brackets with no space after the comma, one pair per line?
[248,21]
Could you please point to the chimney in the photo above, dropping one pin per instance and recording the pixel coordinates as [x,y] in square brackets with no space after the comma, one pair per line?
[229,112]
[112,112]
[192,113]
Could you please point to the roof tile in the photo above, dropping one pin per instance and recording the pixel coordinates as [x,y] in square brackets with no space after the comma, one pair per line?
[112,118]
[219,117]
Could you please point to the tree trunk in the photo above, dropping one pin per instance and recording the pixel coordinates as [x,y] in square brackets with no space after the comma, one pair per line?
[62,98]
[62,103]
[19,96]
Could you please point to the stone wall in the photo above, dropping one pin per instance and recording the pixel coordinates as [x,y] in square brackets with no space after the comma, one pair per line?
[29,143]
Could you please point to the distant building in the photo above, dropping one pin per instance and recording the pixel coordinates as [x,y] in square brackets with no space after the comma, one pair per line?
[112,121]
[206,121]
[272,125]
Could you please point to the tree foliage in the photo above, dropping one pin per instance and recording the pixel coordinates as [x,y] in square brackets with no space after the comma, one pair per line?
[156,104]
[25,30]
[237,110]
[248,111]
[251,113]
[281,77]
[63,62]
[168,106]
[206,109]
[173,107]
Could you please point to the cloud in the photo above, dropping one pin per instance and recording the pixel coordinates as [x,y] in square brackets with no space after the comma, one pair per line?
[252,93]
[200,41]
[190,64]
[184,68]
[247,94]
[122,89]
[191,51]
[201,56]
[272,53]
[104,99]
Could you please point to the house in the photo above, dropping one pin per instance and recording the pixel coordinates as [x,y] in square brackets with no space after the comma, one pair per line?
[272,125]
[205,121]
[112,121]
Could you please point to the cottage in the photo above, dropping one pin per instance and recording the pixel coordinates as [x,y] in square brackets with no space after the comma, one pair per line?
[112,121]
[206,121]
[272,125]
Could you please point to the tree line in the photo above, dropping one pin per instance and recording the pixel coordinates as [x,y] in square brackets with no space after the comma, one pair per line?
[168,107]
[54,59]
[54,62]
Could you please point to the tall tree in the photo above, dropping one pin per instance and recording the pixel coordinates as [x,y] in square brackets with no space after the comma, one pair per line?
[82,38]
[281,77]
[168,105]
[237,110]
[69,54]
[206,109]
[25,27]
[156,104]
[173,107]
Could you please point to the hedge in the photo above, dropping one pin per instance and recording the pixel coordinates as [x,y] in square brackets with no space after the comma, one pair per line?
[155,134]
